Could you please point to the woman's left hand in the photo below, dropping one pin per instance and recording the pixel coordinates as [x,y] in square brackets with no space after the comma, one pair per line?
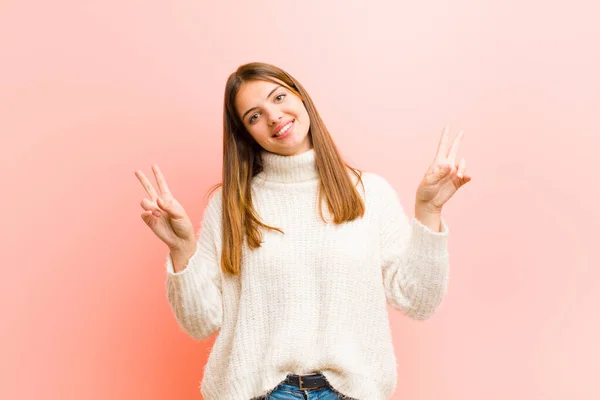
[444,177]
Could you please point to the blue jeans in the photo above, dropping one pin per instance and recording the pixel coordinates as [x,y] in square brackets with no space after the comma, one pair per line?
[289,392]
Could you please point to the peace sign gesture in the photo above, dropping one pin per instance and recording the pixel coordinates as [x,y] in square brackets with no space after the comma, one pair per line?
[444,177]
[163,213]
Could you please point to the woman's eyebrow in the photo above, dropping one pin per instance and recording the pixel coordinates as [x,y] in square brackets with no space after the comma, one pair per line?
[269,95]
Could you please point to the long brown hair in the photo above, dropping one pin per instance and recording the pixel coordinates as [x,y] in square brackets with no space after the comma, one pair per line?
[242,160]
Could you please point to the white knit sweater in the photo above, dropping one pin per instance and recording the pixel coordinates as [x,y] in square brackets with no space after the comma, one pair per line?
[314,298]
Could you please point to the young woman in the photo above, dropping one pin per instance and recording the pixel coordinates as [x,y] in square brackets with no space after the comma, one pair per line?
[298,253]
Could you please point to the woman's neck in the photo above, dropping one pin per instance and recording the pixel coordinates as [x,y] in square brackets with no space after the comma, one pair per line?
[296,168]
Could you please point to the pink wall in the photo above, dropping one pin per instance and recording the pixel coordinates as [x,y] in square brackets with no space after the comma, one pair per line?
[90,91]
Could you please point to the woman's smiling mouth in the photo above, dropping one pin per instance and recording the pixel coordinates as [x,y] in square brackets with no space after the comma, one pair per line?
[285,130]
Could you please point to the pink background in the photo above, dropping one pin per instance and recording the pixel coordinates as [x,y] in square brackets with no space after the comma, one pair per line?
[91,90]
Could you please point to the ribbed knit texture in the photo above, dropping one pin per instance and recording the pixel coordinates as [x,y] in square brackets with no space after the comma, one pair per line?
[313,298]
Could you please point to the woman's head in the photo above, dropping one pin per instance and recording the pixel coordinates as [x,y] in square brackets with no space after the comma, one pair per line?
[265,108]
[259,100]
[274,116]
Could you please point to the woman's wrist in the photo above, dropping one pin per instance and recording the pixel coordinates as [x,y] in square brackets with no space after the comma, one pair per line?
[180,255]
[428,216]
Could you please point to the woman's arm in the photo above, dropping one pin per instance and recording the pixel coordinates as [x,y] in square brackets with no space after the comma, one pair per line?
[194,281]
[414,257]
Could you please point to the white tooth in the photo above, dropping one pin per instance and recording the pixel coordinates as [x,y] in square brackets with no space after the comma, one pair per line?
[284,129]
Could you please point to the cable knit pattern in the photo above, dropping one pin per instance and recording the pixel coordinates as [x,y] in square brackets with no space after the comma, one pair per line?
[313,298]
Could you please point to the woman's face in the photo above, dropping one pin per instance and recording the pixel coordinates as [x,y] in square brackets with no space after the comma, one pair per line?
[274,116]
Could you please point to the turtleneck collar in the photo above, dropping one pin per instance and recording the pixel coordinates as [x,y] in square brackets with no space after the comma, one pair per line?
[296,168]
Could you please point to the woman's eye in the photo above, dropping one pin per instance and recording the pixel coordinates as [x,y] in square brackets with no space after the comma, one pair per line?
[278,98]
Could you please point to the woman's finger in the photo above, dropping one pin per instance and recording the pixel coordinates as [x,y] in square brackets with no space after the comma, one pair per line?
[466,177]
[439,173]
[160,179]
[442,149]
[146,214]
[462,166]
[150,206]
[147,185]
[455,146]
[147,217]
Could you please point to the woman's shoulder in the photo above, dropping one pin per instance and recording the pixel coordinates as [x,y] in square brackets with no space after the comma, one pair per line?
[374,182]
[378,192]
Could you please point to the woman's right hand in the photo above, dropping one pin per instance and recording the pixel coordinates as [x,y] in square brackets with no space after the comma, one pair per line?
[164,215]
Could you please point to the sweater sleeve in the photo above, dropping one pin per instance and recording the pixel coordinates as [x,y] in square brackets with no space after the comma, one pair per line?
[415,264]
[195,293]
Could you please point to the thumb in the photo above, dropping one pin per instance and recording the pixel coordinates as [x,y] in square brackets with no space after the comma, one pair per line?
[171,207]
[164,205]
[440,171]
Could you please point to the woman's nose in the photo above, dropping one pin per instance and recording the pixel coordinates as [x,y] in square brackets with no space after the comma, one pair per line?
[275,116]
